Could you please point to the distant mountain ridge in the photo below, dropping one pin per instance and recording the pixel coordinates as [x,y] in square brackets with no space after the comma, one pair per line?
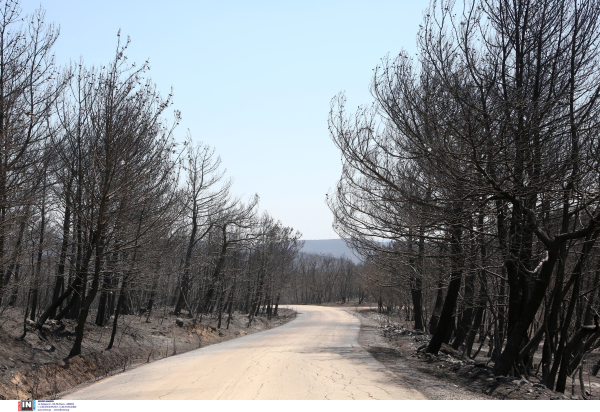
[334,247]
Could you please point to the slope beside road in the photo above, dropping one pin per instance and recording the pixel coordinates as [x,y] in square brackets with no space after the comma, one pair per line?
[316,356]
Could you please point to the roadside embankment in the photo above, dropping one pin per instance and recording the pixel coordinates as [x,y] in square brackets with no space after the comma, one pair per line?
[37,366]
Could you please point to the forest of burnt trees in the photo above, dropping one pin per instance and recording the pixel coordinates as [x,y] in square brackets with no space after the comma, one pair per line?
[471,184]
[103,213]
[470,188]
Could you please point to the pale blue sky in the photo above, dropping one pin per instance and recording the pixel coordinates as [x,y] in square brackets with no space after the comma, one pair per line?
[253,79]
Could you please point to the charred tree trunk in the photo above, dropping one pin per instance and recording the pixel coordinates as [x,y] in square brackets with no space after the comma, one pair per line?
[229,309]
[437,309]
[14,267]
[102,303]
[576,282]
[452,295]
[477,321]
[466,318]
[82,262]
[565,368]
[42,319]
[515,339]
[417,299]
[60,275]
[120,303]
[91,295]
[276,305]
[217,272]
[38,267]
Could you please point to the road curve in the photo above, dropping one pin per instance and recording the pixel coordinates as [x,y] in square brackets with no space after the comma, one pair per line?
[315,356]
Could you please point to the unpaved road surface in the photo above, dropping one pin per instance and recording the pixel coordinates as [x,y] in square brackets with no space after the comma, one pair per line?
[316,356]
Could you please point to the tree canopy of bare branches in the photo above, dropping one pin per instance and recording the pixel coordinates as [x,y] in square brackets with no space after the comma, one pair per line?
[475,171]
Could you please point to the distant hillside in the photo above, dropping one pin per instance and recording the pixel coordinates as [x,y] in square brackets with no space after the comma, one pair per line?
[335,247]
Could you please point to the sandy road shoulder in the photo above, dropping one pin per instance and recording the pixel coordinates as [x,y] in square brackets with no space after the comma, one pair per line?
[371,340]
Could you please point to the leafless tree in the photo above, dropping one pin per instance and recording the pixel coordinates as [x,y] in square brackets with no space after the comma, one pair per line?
[485,145]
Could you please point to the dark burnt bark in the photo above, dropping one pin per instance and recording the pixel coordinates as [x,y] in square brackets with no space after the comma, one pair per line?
[437,310]
[60,275]
[477,322]
[513,343]
[55,304]
[464,326]
[216,276]
[565,369]
[417,299]
[120,304]
[38,266]
[101,315]
[276,305]
[91,295]
[452,295]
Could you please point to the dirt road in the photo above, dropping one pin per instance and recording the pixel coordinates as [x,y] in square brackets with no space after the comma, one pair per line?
[316,356]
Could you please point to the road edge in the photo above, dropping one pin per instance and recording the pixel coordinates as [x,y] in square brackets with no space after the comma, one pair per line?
[61,395]
[372,340]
